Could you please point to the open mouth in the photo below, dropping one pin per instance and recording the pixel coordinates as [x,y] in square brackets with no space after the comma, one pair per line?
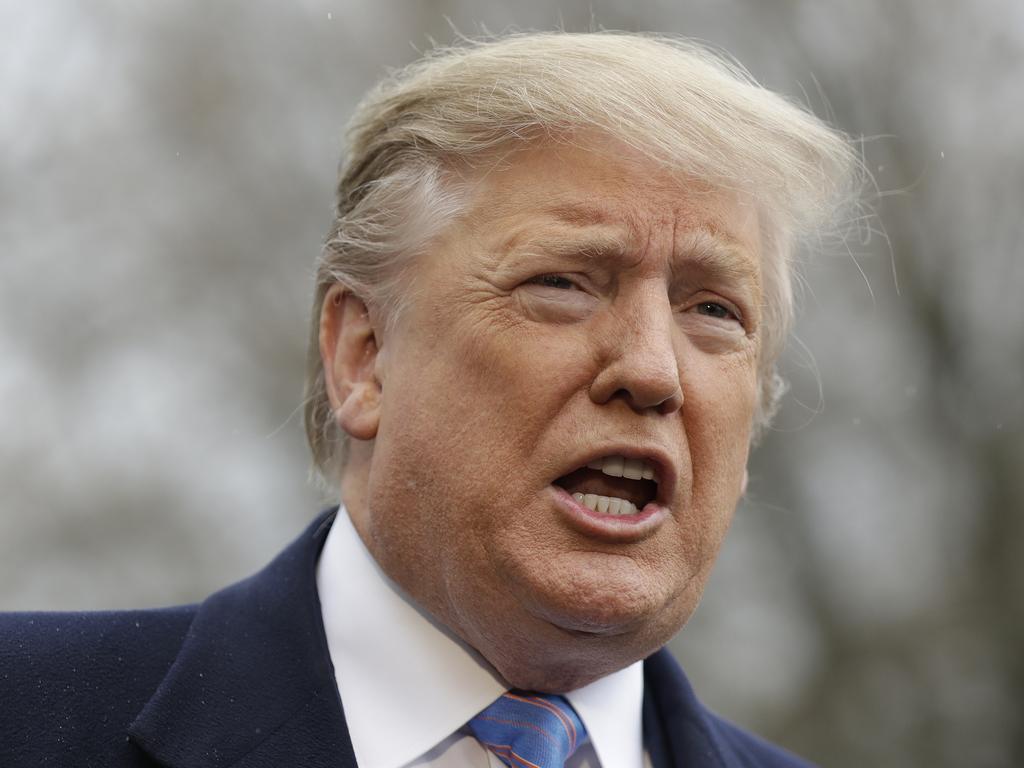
[612,485]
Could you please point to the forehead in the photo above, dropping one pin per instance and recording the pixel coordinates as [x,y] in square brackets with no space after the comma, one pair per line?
[603,199]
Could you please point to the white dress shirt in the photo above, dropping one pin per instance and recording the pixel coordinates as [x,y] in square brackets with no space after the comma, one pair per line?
[408,686]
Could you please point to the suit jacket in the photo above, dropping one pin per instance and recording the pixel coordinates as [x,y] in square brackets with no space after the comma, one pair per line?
[245,680]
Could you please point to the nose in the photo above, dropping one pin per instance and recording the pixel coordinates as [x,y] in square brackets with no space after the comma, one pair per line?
[641,362]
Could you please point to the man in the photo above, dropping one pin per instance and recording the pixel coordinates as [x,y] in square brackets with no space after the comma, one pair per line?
[543,341]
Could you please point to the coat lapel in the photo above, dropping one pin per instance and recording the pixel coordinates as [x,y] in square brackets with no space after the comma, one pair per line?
[678,731]
[253,683]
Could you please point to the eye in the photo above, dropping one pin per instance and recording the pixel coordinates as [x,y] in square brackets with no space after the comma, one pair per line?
[554,281]
[559,298]
[714,309]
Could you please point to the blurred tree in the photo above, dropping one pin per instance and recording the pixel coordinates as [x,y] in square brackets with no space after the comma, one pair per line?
[164,186]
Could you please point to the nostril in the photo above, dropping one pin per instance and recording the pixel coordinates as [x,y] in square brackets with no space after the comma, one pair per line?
[672,403]
[642,401]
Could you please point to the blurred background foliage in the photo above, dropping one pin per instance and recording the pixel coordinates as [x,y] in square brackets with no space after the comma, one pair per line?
[166,175]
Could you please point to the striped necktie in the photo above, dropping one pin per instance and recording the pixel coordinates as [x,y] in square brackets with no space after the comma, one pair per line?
[530,730]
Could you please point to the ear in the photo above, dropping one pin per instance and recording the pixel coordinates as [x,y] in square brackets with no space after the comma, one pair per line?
[348,351]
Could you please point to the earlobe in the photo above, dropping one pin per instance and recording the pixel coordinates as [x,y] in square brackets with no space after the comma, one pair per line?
[348,352]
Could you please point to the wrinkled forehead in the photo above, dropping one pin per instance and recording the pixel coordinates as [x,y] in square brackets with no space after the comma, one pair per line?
[604,198]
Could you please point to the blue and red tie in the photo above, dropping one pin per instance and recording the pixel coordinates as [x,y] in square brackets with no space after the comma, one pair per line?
[530,730]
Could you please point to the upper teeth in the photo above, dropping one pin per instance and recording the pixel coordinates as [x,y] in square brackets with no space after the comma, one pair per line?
[620,466]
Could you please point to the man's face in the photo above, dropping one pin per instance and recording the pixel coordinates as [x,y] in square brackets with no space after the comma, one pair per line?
[590,308]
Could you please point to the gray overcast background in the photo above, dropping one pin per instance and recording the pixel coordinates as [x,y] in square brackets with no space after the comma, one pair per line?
[166,172]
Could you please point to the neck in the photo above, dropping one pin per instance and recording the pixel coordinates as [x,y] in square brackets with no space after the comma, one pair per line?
[354,488]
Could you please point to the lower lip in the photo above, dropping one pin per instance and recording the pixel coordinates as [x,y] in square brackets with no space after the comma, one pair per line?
[611,527]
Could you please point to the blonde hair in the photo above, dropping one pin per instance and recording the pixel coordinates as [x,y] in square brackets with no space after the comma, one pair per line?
[673,100]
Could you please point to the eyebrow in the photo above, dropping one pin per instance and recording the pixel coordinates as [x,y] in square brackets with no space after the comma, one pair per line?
[715,253]
[588,246]
[704,250]
[580,214]
[706,246]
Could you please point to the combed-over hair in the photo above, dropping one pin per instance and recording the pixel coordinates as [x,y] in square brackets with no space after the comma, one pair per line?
[673,100]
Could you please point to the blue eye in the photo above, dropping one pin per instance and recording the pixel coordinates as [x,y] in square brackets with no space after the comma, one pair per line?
[713,309]
[555,281]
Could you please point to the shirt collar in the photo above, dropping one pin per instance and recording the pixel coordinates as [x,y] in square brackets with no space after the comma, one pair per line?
[611,709]
[391,657]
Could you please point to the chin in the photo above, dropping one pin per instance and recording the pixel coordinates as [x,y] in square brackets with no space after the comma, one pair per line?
[558,680]
[603,595]
[596,615]
[558,661]
[562,648]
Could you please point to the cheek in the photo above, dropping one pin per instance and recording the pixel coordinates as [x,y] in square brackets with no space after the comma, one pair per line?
[465,406]
[718,410]
[515,376]
[720,395]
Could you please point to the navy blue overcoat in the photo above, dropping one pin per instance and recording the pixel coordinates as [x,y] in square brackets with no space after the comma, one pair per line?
[244,679]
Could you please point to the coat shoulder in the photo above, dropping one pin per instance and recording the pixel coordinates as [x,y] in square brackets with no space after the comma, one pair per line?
[73,682]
